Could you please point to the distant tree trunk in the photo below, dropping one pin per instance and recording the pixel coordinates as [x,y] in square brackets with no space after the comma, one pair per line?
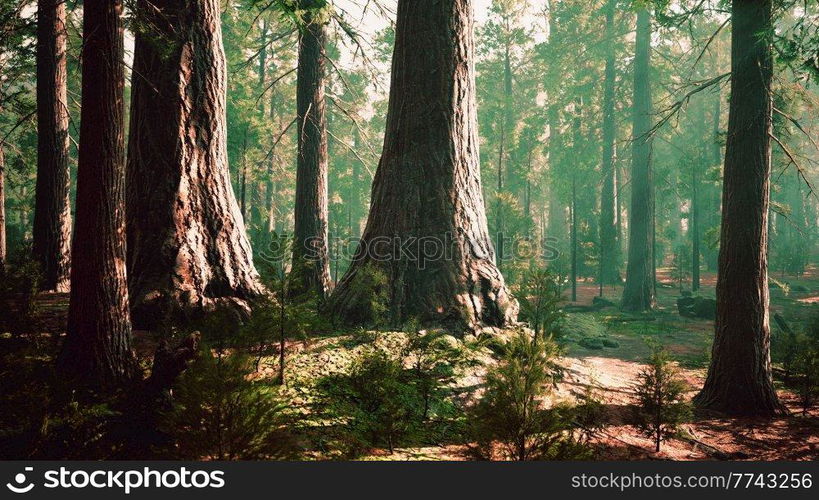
[262,71]
[574,237]
[714,193]
[696,235]
[638,294]
[97,350]
[3,256]
[187,244]
[608,230]
[243,185]
[311,262]
[557,209]
[427,190]
[695,228]
[52,212]
[739,379]
[507,133]
[576,137]
[272,185]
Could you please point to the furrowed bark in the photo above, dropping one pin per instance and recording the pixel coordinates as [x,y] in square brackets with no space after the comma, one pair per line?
[52,213]
[311,262]
[97,350]
[187,245]
[426,193]
[739,379]
[608,231]
[638,294]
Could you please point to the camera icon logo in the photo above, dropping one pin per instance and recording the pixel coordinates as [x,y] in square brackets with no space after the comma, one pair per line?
[20,480]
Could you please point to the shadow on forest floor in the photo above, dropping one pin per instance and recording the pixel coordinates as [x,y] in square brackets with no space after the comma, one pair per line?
[611,370]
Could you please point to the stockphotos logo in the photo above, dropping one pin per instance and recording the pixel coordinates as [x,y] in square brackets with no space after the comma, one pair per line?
[124,480]
[21,485]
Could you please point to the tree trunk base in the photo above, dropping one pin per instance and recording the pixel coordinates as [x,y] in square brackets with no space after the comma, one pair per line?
[759,404]
[174,307]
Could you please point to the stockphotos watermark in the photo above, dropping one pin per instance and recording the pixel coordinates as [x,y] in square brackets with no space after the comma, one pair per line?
[421,250]
[118,480]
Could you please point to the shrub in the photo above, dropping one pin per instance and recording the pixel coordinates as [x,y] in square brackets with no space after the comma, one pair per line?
[509,422]
[20,280]
[360,336]
[595,343]
[539,297]
[806,369]
[377,402]
[370,297]
[433,360]
[281,316]
[589,415]
[805,363]
[660,396]
[574,327]
[219,414]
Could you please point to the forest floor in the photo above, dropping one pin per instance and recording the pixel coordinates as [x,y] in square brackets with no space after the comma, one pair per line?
[610,371]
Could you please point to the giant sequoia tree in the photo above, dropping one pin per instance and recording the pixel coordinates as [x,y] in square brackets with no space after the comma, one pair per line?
[97,349]
[52,215]
[739,378]
[638,294]
[427,233]
[187,245]
[311,265]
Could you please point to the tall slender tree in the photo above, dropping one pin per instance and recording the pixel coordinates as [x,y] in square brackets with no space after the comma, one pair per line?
[608,230]
[427,231]
[97,350]
[739,378]
[713,192]
[52,214]
[186,237]
[638,294]
[311,261]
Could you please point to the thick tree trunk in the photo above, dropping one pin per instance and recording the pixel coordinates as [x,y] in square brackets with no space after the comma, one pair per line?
[638,294]
[739,379]
[608,230]
[97,350]
[311,262]
[52,213]
[427,229]
[187,244]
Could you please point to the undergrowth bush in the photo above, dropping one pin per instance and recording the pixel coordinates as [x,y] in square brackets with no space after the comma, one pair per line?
[219,414]
[20,281]
[661,405]
[539,296]
[511,421]
[376,403]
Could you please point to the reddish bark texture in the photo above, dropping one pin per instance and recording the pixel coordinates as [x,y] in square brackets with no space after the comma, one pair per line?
[739,379]
[428,186]
[311,264]
[187,245]
[52,213]
[97,350]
